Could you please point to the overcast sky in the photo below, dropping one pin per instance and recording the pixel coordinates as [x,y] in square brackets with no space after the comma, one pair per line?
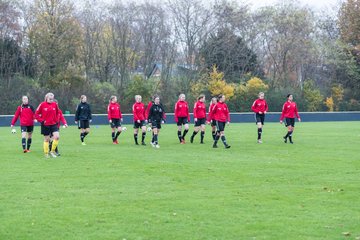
[314,4]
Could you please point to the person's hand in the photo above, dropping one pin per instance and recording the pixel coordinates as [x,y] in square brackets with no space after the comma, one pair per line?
[11,126]
[195,119]
[90,120]
[110,121]
[76,122]
[299,119]
[281,121]
[65,126]
[162,122]
[138,121]
[228,123]
[260,112]
[121,120]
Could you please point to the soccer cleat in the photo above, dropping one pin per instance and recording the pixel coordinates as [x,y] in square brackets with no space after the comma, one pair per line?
[227,146]
[53,154]
[201,142]
[25,151]
[182,141]
[157,146]
[285,139]
[143,143]
[83,143]
[259,141]
[57,154]
[152,144]
[291,142]
[115,142]
[215,146]
[136,144]
[47,155]
[192,139]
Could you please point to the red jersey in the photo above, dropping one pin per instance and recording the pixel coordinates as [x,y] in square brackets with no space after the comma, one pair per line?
[210,116]
[199,110]
[181,110]
[26,114]
[289,110]
[148,109]
[220,112]
[259,105]
[139,111]
[61,118]
[114,111]
[47,113]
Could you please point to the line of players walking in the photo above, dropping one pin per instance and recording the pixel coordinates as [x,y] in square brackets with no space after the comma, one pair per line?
[50,116]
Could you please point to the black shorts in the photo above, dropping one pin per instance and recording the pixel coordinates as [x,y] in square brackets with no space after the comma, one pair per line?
[83,124]
[156,124]
[260,118]
[48,130]
[200,121]
[220,126]
[289,122]
[27,129]
[139,125]
[115,123]
[182,121]
[213,123]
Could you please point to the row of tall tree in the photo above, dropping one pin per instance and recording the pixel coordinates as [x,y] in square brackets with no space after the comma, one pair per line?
[179,46]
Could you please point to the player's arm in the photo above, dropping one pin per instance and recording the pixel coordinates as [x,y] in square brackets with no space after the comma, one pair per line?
[254,108]
[38,114]
[283,113]
[77,113]
[297,113]
[16,116]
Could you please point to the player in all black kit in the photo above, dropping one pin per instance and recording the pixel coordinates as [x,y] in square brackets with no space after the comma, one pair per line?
[83,118]
[156,118]
[26,113]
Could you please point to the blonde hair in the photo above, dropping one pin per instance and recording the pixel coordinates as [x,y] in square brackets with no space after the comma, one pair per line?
[50,94]
[112,98]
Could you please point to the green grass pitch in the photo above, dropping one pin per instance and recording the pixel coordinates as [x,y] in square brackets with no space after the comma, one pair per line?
[309,190]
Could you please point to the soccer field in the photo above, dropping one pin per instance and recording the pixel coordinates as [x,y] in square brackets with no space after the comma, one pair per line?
[309,190]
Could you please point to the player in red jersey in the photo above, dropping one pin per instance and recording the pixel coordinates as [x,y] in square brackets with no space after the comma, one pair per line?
[139,119]
[221,114]
[61,119]
[289,112]
[47,114]
[211,119]
[115,118]
[26,113]
[260,108]
[199,118]
[182,117]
